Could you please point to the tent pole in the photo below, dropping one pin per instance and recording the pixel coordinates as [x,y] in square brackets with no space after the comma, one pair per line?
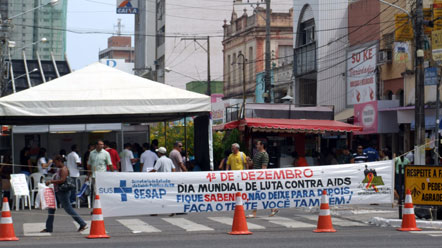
[185,136]
[12,149]
[165,134]
[122,137]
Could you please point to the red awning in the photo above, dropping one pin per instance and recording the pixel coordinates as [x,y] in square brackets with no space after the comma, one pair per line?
[292,125]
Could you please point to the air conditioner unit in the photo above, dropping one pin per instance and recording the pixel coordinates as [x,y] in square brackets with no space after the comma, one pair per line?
[385,56]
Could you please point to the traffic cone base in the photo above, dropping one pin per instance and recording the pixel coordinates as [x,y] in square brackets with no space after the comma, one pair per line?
[98,231]
[6,227]
[239,226]
[408,217]
[324,219]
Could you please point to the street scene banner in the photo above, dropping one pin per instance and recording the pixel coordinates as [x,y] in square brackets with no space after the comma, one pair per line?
[125,194]
[425,184]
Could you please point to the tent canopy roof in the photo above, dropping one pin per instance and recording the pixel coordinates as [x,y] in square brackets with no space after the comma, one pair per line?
[293,125]
[100,94]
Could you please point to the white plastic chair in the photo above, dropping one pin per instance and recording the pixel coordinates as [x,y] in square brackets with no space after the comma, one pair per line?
[36,178]
[80,182]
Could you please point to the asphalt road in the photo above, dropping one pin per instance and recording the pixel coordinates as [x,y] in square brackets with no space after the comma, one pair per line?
[290,228]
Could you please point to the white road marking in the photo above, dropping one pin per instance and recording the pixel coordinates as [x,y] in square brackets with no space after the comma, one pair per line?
[229,221]
[336,221]
[287,222]
[33,229]
[187,225]
[138,226]
[87,231]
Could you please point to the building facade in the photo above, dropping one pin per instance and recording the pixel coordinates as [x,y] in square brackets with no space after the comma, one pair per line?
[320,43]
[119,53]
[244,37]
[48,21]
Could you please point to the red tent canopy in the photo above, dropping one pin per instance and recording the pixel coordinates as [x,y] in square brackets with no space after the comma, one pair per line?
[292,125]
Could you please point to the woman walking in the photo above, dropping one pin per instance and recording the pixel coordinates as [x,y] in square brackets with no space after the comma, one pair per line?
[62,196]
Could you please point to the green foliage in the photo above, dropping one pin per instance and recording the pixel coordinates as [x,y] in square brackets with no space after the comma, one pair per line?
[173,134]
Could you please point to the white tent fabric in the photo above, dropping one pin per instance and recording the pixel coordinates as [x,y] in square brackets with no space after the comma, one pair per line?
[100,94]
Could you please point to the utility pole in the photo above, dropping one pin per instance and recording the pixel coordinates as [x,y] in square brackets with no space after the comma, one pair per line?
[419,86]
[244,60]
[207,38]
[268,84]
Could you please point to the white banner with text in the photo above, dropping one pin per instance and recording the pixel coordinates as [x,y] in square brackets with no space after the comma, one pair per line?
[136,193]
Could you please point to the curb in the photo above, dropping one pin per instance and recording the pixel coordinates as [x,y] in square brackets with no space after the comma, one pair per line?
[383,222]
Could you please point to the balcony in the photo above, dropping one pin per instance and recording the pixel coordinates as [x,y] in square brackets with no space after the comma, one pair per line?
[305,59]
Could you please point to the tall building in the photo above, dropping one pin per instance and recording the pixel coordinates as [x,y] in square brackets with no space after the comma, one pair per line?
[245,37]
[46,21]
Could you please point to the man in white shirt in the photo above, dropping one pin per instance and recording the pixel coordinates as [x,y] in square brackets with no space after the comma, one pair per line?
[148,159]
[127,159]
[164,164]
[73,163]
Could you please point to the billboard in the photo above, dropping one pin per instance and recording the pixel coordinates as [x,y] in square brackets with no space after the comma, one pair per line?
[361,75]
[127,6]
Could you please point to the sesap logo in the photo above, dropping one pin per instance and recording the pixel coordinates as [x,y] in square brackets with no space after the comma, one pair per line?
[123,190]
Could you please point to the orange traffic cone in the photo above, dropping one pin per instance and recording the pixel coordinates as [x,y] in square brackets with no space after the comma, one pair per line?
[98,231]
[239,226]
[408,218]
[6,227]
[324,219]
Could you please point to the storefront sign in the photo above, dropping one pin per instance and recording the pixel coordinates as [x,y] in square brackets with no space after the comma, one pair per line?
[425,183]
[436,45]
[431,77]
[366,116]
[361,75]
[125,194]
[401,52]
[403,27]
[437,14]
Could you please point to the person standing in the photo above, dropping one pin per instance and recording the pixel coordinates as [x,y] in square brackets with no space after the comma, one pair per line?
[372,153]
[63,197]
[43,165]
[73,163]
[345,157]
[261,161]
[177,159]
[90,148]
[127,159]
[99,161]
[163,164]
[25,161]
[360,156]
[115,158]
[237,160]
[148,159]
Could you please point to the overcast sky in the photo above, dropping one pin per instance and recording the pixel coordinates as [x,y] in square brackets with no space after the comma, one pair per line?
[92,22]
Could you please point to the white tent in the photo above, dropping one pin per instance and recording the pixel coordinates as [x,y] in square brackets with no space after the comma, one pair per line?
[100,94]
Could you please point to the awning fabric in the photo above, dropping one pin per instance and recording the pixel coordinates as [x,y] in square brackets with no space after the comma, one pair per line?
[293,125]
[344,115]
[100,94]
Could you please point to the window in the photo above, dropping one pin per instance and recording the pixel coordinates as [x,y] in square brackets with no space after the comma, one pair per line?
[285,55]
[307,32]
[234,69]
[250,64]
[228,71]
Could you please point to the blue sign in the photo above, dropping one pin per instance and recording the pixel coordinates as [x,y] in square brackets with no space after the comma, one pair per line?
[127,7]
[431,77]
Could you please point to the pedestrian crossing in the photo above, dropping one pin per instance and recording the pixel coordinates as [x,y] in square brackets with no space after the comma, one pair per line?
[160,224]
[429,233]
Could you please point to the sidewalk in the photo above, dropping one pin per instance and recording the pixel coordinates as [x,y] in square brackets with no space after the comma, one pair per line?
[383,215]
